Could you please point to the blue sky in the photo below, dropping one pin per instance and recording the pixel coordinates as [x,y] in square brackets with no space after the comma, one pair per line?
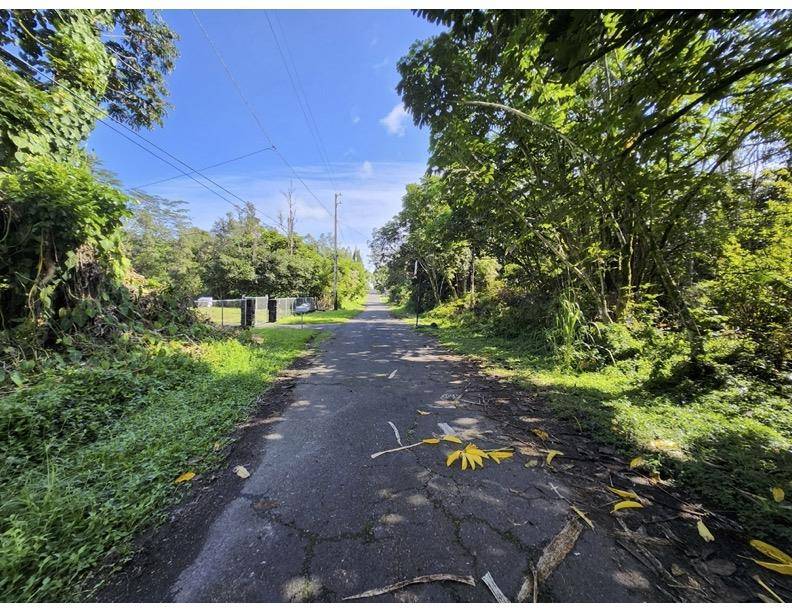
[345,63]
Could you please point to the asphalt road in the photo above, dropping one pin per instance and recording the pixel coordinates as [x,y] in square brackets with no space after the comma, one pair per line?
[319,519]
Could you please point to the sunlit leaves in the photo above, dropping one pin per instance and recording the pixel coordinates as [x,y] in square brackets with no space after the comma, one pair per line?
[778,494]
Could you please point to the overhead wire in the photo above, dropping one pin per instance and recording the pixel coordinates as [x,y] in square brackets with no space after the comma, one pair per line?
[102,113]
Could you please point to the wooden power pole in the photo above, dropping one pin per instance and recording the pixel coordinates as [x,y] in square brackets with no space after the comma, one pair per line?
[335,253]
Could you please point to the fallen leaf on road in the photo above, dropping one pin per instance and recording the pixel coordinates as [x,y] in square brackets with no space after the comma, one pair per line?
[624,494]
[241,471]
[583,516]
[184,477]
[552,556]
[424,412]
[453,457]
[705,533]
[781,568]
[532,463]
[551,455]
[468,580]
[623,505]
[637,462]
[494,588]
[676,570]
[473,456]
[431,441]
[771,551]
[767,588]
[453,439]
[497,455]
[778,494]
[392,374]
[541,434]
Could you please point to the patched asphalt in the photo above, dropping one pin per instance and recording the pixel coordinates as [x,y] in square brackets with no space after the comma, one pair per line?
[319,519]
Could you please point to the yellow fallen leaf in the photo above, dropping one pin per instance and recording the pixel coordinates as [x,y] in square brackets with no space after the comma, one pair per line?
[184,477]
[472,456]
[705,533]
[623,494]
[453,457]
[637,462]
[623,505]
[541,434]
[532,463]
[781,568]
[497,455]
[771,551]
[241,471]
[431,441]
[551,455]
[424,413]
[582,515]
[449,438]
[778,494]
[216,446]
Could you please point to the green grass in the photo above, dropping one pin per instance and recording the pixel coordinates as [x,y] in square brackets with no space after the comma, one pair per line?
[91,450]
[342,315]
[729,443]
[222,316]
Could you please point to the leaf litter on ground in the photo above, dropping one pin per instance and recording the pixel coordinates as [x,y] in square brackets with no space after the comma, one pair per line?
[468,580]
[552,556]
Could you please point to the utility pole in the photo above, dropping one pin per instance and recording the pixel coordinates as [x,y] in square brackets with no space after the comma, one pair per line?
[335,253]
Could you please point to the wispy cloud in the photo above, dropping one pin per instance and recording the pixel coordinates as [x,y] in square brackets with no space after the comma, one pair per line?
[371,194]
[366,169]
[394,121]
[380,65]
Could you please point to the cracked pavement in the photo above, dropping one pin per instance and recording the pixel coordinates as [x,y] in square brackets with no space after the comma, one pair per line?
[319,520]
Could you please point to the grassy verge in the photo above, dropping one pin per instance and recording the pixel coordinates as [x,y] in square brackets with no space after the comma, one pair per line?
[729,443]
[342,315]
[91,449]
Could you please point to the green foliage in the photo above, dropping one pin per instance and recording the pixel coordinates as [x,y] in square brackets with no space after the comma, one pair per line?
[92,446]
[61,238]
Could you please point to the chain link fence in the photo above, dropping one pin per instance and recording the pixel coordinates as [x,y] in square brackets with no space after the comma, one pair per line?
[250,311]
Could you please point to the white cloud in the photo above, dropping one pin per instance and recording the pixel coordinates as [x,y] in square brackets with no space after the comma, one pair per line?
[380,65]
[366,169]
[394,120]
[355,118]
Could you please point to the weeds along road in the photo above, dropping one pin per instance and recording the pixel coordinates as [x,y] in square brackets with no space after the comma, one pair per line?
[319,519]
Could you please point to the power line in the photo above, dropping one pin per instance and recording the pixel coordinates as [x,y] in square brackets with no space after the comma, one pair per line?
[222,163]
[101,120]
[252,111]
[302,100]
[254,114]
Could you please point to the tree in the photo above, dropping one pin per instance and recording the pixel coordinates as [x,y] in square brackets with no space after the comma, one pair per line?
[597,148]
